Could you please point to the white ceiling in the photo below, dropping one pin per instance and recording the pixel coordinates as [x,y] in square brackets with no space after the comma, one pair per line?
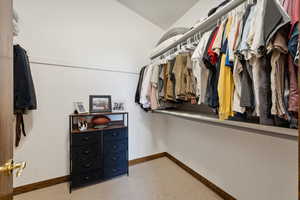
[163,13]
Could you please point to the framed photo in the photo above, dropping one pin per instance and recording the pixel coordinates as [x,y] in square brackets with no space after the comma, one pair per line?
[79,107]
[118,106]
[100,103]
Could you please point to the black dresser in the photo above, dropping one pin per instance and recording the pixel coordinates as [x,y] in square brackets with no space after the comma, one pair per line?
[98,154]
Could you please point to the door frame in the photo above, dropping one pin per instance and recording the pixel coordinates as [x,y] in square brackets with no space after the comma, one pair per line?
[6,96]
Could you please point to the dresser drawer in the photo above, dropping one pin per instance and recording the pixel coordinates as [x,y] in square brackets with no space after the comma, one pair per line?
[114,159]
[86,166]
[114,171]
[86,178]
[86,138]
[115,146]
[115,134]
[83,153]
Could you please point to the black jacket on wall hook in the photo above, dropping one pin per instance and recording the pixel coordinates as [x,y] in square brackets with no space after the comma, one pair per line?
[24,92]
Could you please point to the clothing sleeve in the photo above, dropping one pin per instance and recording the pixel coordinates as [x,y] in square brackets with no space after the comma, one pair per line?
[146,88]
[139,86]
[231,37]
[218,41]
[238,35]
[255,28]
[142,93]
[200,50]
[266,24]
[155,75]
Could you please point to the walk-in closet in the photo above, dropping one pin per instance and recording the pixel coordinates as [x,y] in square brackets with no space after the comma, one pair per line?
[149,100]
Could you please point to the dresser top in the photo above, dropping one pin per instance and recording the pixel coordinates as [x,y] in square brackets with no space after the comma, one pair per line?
[98,114]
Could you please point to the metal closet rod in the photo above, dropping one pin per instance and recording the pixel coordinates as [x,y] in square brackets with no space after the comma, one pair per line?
[206,25]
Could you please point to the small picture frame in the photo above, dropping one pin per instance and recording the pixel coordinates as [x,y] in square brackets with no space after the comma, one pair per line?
[100,103]
[79,107]
[118,106]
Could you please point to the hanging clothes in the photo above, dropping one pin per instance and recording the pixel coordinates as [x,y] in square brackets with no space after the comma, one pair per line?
[243,47]
[293,102]
[278,50]
[293,69]
[225,85]
[238,68]
[234,33]
[170,81]
[191,83]
[182,76]
[244,94]
[293,42]
[24,91]
[247,99]
[200,71]
[139,86]
[217,45]
[146,88]
[262,66]
[292,8]
[210,60]
[154,88]
[266,24]
[161,81]
[237,79]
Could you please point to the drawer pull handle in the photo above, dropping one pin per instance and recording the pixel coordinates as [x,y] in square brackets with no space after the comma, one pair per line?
[86,152]
[115,147]
[86,138]
[114,170]
[114,158]
[114,134]
[86,178]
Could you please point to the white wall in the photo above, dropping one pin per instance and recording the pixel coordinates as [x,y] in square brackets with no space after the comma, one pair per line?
[245,165]
[198,12]
[99,34]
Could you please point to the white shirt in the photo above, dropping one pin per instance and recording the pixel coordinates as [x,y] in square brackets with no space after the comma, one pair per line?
[146,86]
[200,72]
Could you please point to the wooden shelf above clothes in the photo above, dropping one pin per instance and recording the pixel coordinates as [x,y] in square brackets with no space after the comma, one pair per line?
[279,132]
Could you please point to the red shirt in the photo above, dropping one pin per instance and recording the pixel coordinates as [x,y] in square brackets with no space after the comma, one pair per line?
[212,55]
[292,7]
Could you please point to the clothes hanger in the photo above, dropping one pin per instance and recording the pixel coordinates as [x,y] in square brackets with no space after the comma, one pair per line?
[191,44]
[178,49]
[184,47]
[197,38]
